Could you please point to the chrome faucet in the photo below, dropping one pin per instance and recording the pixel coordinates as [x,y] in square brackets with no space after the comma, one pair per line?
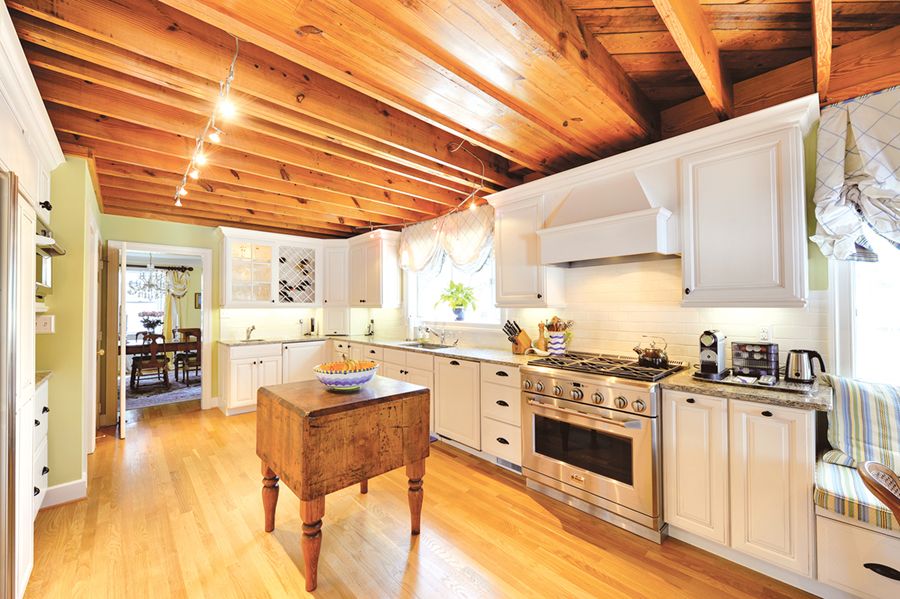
[250,330]
[441,334]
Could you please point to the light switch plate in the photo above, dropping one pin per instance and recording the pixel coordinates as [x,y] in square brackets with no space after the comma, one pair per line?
[44,324]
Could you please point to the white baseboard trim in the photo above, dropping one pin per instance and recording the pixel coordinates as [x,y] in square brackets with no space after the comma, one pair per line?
[66,492]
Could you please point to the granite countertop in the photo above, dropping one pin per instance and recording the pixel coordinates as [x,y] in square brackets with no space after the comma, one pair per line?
[494,356]
[819,399]
[41,376]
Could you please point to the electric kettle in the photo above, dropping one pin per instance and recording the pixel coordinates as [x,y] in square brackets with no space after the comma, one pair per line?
[799,367]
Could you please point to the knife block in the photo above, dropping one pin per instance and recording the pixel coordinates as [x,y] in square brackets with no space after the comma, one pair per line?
[523,342]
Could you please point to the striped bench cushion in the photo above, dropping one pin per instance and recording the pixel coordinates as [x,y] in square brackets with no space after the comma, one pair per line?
[839,489]
[864,423]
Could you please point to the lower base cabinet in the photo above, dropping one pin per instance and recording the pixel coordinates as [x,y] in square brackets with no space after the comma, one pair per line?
[299,359]
[412,367]
[458,400]
[741,474]
[243,370]
[857,560]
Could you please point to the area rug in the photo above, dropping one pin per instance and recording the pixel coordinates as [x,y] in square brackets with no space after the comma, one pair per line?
[157,395]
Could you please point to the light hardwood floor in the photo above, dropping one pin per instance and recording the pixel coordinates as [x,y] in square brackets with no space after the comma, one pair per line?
[175,511]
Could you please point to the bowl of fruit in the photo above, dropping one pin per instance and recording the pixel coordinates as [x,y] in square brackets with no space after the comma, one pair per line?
[345,375]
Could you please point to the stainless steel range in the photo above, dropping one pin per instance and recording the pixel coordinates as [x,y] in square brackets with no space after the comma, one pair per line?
[591,436]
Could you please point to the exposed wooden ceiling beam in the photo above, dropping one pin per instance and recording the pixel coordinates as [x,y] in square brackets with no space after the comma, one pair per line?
[203,221]
[859,67]
[176,39]
[65,51]
[688,26]
[821,22]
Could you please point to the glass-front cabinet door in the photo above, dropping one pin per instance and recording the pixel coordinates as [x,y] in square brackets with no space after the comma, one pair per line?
[251,272]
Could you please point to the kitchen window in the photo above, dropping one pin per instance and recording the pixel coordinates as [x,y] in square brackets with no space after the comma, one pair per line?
[867,321]
[426,287]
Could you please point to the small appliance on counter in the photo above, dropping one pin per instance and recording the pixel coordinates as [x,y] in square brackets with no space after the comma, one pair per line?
[653,357]
[799,367]
[712,356]
[754,359]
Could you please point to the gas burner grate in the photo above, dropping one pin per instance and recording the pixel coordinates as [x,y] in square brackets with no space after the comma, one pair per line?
[626,368]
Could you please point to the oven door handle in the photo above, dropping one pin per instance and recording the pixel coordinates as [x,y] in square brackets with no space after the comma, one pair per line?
[629,424]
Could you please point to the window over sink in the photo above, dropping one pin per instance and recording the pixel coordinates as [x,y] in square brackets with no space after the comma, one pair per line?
[427,286]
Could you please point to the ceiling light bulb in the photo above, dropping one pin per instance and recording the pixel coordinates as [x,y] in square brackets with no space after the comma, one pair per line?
[182,191]
[226,108]
[194,174]
[200,159]
[214,136]
[178,202]
[473,205]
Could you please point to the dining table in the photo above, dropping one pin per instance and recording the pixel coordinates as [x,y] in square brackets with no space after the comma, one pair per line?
[164,348]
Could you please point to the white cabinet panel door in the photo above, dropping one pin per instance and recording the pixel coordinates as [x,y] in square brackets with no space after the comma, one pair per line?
[335,321]
[520,276]
[299,359]
[772,463]
[243,382]
[24,500]
[374,275]
[268,373]
[458,400]
[337,280]
[695,463]
[392,371]
[25,304]
[424,378]
[359,272]
[744,225]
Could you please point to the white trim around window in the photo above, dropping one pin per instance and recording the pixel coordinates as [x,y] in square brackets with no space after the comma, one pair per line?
[841,309]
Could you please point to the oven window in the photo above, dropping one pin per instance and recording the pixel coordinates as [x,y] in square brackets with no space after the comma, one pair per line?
[595,451]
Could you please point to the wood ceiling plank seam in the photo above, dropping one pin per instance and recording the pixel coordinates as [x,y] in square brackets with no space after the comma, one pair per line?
[162,33]
[139,138]
[92,98]
[822,46]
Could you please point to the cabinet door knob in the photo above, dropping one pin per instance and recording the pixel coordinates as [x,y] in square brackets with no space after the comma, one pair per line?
[45,470]
[502,441]
[690,400]
[687,291]
[37,422]
[500,402]
[37,491]
[767,414]
[501,373]
[45,410]
[539,296]
[454,363]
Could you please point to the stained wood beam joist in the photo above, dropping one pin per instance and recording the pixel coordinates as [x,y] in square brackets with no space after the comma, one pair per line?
[82,95]
[821,34]
[181,41]
[204,221]
[691,32]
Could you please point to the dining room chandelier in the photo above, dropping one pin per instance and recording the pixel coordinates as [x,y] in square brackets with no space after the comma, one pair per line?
[224,109]
[150,284]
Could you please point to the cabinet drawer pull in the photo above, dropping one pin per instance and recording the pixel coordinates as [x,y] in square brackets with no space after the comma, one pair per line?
[454,363]
[767,414]
[502,441]
[371,351]
[45,471]
[45,410]
[500,402]
[37,422]
[883,570]
[37,491]
[687,291]
[690,400]
[539,296]
[501,373]
[577,478]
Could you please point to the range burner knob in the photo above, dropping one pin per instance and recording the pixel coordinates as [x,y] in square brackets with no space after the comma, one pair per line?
[577,394]
[557,390]
[638,405]
[621,403]
[597,398]
[539,387]
[527,384]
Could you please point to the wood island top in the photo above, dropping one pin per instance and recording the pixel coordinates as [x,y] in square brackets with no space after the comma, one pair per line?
[312,399]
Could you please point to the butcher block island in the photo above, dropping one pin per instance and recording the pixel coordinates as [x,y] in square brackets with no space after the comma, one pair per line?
[317,441]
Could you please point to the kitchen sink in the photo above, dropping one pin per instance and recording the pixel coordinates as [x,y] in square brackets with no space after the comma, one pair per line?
[419,345]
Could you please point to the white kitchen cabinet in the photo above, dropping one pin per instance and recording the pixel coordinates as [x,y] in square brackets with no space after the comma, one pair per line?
[298,275]
[744,224]
[522,281]
[695,464]
[299,359]
[24,495]
[247,272]
[458,400]
[374,270]
[413,367]
[336,277]
[335,321]
[25,307]
[772,472]
[341,350]
[243,370]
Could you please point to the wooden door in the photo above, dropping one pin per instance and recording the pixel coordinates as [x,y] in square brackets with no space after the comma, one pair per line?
[336,280]
[243,373]
[695,464]
[744,225]
[520,276]
[458,401]
[772,464]
[299,359]
[107,356]
[358,273]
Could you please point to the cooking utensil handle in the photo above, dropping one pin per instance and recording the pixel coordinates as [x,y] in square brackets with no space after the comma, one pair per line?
[622,424]
[818,356]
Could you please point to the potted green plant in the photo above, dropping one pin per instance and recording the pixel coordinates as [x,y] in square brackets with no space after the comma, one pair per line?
[151,320]
[458,297]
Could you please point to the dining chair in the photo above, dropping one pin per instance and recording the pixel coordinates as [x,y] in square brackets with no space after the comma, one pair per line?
[189,359]
[883,483]
[151,362]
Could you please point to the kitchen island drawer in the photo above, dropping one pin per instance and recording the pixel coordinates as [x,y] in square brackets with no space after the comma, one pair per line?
[502,440]
[500,374]
[501,403]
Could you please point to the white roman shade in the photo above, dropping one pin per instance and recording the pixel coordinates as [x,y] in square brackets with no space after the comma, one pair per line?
[857,168]
[465,237]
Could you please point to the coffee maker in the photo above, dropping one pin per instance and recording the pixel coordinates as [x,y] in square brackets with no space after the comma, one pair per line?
[712,356]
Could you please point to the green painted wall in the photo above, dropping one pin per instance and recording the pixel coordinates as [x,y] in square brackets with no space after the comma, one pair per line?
[818,263]
[73,199]
[140,230]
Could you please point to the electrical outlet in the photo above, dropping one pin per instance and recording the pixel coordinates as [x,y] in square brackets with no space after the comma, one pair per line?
[765,333]
[44,324]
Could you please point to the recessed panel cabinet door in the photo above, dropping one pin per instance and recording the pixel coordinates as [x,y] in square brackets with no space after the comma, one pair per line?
[772,463]
[243,382]
[336,278]
[520,276]
[423,378]
[268,373]
[458,400]
[358,275]
[744,224]
[299,359]
[695,463]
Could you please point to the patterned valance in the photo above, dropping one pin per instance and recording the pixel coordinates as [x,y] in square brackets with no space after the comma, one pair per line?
[857,169]
[465,237]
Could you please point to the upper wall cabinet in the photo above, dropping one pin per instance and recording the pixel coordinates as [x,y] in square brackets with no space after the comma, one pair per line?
[374,270]
[522,281]
[270,270]
[336,278]
[744,238]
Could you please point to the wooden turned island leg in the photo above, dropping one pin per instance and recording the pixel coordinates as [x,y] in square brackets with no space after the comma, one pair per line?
[269,496]
[364,487]
[311,513]
[415,472]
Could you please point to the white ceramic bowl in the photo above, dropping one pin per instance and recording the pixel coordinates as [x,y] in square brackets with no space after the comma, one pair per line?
[345,380]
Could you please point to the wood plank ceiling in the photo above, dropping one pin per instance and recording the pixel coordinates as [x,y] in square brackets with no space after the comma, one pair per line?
[351,112]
